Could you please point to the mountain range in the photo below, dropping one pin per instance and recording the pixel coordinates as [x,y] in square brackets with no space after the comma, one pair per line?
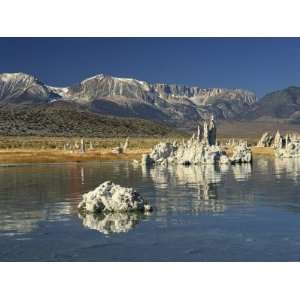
[173,105]
[167,103]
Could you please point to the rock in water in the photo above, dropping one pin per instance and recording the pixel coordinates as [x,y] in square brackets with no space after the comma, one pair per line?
[110,197]
[292,149]
[224,159]
[278,140]
[266,140]
[162,151]
[199,150]
[241,154]
[212,132]
[187,153]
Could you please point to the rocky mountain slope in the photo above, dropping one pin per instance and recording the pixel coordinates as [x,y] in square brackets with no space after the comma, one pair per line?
[19,88]
[172,104]
[282,105]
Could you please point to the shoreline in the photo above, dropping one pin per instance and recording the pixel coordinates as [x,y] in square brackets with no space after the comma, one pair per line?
[34,156]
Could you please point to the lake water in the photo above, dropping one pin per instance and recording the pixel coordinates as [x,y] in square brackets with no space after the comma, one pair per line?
[228,213]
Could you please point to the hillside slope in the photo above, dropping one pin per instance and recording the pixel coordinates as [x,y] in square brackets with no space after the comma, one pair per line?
[281,105]
[62,119]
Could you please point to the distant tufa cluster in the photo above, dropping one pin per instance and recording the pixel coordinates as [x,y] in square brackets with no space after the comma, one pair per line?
[277,141]
[78,146]
[287,146]
[122,148]
[235,142]
[200,149]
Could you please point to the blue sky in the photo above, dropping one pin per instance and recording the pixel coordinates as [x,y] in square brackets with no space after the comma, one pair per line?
[258,64]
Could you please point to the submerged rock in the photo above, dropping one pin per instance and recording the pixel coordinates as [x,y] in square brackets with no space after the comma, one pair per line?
[110,197]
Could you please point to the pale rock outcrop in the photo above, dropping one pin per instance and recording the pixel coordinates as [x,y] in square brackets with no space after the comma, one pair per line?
[202,149]
[278,140]
[287,147]
[163,151]
[280,143]
[224,159]
[110,197]
[190,152]
[266,140]
[207,132]
[292,149]
[122,148]
[241,154]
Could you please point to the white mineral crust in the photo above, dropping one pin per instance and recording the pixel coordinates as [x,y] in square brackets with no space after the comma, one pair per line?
[241,154]
[110,197]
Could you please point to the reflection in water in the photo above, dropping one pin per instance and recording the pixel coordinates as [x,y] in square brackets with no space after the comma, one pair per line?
[82,175]
[242,172]
[287,167]
[109,223]
[196,187]
[30,195]
[19,222]
[240,205]
[262,164]
[14,222]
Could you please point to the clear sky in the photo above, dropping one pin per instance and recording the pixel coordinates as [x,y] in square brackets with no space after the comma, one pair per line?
[258,64]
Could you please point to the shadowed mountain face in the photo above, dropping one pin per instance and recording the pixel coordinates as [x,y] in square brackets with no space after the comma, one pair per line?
[280,105]
[172,104]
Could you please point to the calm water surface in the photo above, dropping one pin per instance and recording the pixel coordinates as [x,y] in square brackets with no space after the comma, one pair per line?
[228,213]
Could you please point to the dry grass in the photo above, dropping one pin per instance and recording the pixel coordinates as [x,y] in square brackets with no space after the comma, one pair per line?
[58,156]
[255,151]
[262,151]
[51,150]
[57,143]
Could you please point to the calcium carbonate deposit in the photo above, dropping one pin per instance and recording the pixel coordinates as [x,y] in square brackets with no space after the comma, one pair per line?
[287,146]
[292,149]
[110,197]
[241,154]
[200,149]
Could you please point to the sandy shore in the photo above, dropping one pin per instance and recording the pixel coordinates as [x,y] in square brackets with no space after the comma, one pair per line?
[59,156]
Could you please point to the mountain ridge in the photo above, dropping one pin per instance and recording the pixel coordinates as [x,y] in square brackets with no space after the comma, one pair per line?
[172,104]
